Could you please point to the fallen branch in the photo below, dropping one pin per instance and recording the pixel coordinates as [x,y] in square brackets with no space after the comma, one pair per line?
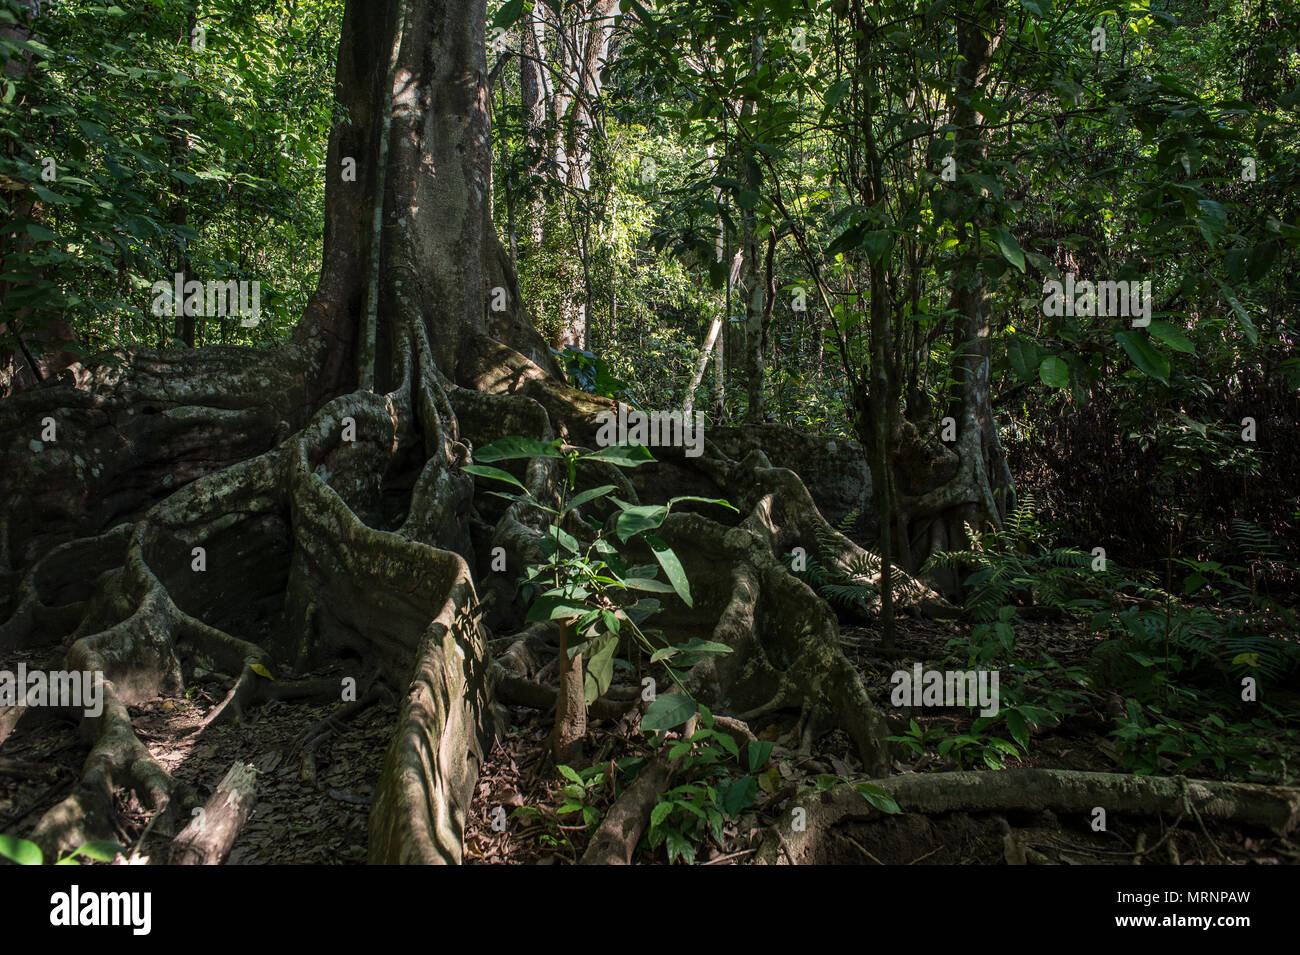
[619,832]
[207,840]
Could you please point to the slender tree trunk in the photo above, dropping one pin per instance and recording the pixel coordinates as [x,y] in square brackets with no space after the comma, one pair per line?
[751,278]
[180,149]
[570,705]
[884,414]
[706,352]
[970,403]
[581,38]
[535,95]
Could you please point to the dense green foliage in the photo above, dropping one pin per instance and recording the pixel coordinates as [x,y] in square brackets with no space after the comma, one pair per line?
[173,134]
[1168,157]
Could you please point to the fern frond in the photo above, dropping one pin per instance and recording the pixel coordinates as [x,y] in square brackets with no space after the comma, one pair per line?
[847,521]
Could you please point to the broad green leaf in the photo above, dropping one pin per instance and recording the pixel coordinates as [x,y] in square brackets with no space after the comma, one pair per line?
[702,500]
[600,668]
[638,518]
[1009,247]
[672,568]
[1054,372]
[648,584]
[590,495]
[1261,259]
[487,471]
[1023,356]
[643,610]
[679,847]
[20,850]
[1171,336]
[986,183]
[729,744]
[878,798]
[1247,326]
[1003,747]
[623,455]
[49,195]
[100,851]
[668,711]
[759,751]
[554,608]
[826,782]
[696,649]
[1016,726]
[877,245]
[737,795]
[508,14]
[564,539]
[1213,221]
[514,447]
[847,239]
[1149,361]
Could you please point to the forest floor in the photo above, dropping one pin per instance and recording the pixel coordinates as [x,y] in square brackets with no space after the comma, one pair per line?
[519,773]
[301,816]
[318,814]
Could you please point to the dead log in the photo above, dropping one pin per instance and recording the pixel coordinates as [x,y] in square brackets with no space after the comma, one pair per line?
[208,838]
[619,832]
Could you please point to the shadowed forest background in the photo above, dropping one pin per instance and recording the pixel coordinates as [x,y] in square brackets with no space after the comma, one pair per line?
[367,540]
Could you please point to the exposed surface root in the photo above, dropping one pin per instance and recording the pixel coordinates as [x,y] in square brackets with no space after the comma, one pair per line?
[810,818]
[283,560]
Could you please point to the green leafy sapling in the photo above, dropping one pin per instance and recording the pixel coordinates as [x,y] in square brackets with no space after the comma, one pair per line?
[586,583]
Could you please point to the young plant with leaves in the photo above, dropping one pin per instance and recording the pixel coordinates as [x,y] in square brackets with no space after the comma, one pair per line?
[584,580]
[715,783]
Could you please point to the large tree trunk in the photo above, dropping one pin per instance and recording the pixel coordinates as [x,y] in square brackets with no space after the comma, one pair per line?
[282,466]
